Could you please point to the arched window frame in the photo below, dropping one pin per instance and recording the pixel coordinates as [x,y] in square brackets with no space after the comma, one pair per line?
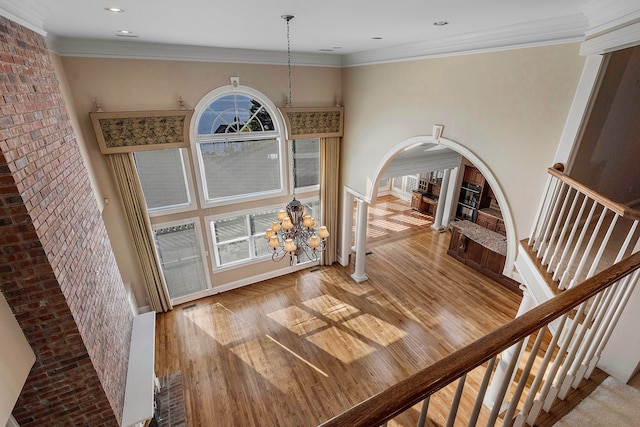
[277,133]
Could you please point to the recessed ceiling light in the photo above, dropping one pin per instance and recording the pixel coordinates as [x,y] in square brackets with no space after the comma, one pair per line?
[376,38]
[124,32]
[441,23]
[336,47]
[114,9]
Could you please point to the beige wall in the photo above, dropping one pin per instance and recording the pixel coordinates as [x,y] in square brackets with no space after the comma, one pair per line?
[508,108]
[130,85]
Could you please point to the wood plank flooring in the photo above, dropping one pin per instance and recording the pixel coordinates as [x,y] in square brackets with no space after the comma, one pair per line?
[299,349]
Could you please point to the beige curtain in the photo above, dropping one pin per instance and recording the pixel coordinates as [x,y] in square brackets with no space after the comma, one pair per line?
[329,176]
[124,173]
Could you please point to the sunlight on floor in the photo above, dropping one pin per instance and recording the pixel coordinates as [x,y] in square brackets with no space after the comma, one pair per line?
[411,220]
[375,329]
[226,327]
[341,345]
[388,224]
[332,308]
[381,212]
[297,320]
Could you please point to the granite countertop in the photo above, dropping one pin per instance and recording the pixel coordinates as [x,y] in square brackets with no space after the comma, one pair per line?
[491,240]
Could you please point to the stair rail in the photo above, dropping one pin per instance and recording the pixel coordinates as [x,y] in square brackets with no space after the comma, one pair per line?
[570,222]
[546,375]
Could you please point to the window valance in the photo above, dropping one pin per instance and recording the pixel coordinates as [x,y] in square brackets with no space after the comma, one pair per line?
[124,132]
[320,122]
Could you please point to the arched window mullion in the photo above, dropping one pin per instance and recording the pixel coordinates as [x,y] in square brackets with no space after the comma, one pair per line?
[244,159]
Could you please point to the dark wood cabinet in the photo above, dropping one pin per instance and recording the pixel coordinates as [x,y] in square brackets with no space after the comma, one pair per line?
[476,202]
[473,176]
[416,201]
[425,198]
[480,258]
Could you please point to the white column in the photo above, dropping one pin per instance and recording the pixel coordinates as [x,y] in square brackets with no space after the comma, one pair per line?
[502,370]
[442,198]
[361,240]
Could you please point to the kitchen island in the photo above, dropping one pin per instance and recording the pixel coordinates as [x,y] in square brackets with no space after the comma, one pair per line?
[481,249]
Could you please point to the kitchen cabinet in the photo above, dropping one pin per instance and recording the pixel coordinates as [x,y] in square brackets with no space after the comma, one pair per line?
[481,249]
[477,203]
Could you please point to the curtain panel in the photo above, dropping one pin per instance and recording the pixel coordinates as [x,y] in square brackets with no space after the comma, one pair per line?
[329,194]
[124,173]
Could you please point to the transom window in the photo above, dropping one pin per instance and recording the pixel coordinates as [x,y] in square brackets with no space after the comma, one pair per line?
[238,149]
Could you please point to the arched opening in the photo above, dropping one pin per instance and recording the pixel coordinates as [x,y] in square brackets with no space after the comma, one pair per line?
[424,154]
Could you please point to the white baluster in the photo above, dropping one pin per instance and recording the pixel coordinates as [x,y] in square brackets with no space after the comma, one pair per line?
[495,411]
[565,227]
[568,245]
[560,377]
[587,251]
[559,204]
[548,214]
[537,220]
[473,418]
[571,362]
[456,401]
[524,377]
[576,248]
[556,226]
[532,406]
[628,289]
[423,412]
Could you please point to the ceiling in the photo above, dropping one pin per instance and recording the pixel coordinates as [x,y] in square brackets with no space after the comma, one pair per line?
[354,29]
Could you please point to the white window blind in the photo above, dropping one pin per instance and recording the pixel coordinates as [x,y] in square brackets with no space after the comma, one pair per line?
[240,167]
[181,259]
[306,162]
[163,178]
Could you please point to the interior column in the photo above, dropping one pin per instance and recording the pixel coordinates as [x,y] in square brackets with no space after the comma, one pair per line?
[442,199]
[361,240]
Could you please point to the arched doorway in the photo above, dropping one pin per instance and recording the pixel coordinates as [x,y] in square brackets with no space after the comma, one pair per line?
[442,159]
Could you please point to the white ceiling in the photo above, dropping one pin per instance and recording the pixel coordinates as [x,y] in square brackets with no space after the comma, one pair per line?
[346,27]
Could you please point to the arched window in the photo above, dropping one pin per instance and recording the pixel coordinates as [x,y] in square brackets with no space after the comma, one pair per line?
[238,146]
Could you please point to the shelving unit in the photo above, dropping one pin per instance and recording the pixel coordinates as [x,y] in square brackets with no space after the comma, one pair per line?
[425,197]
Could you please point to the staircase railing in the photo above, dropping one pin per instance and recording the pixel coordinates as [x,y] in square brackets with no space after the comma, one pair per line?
[584,315]
[577,232]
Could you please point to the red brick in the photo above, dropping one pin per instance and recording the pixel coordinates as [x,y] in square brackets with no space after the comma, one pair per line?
[52,240]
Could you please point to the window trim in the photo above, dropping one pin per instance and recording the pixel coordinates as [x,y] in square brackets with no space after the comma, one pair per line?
[277,134]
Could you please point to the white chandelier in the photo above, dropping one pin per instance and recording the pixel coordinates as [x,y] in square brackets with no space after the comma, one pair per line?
[294,232]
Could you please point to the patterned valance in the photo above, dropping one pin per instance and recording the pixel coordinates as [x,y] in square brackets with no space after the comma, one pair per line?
[322,122]
[128,131]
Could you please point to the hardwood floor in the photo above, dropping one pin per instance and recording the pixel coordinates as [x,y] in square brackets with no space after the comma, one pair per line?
[299,349]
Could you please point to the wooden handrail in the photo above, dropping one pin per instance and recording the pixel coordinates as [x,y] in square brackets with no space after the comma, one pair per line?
[398,398]
[619,208]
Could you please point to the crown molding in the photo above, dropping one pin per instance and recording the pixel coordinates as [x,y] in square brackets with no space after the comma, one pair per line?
[621,38]
[141,50]
[613,25]
[607,15]
[23,15]
[565,29]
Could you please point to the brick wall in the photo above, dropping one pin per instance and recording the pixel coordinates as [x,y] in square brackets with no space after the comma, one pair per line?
[57,270]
